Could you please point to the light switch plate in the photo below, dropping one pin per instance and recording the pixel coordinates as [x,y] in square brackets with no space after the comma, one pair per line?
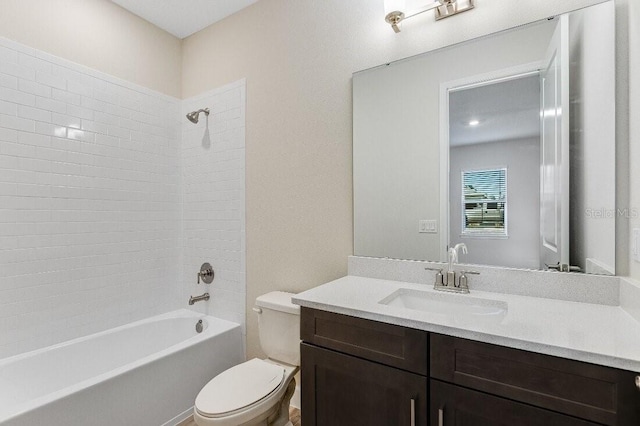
[428,227]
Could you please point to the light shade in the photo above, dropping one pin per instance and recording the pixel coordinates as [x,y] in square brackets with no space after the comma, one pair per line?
[394,6]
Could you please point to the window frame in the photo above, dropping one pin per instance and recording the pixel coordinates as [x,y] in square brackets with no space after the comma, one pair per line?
[486,233]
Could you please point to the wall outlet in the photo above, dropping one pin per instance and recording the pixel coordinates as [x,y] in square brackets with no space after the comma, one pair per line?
[428,227]
[635,244]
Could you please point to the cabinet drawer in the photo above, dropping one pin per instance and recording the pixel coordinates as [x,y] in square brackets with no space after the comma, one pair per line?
[456,406]
[387,344]
[599,394]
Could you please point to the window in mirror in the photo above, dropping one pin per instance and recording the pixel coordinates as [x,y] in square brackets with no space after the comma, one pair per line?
[484,197]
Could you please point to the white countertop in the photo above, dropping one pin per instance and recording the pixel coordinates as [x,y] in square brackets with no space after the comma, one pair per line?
[600,334]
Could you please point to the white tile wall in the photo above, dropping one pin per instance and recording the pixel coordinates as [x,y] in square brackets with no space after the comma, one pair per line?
[90,200]
[213,175]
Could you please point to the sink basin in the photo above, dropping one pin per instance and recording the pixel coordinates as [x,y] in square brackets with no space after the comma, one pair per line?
[460,307]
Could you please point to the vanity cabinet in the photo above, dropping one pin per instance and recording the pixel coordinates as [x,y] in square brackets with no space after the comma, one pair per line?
[362,372]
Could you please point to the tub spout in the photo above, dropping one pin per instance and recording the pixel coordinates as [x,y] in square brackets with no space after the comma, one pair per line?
[195,299]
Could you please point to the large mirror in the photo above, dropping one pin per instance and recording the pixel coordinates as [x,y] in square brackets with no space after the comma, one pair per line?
[505,143]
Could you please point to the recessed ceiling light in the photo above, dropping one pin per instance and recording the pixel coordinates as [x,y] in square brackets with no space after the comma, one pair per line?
[474,123]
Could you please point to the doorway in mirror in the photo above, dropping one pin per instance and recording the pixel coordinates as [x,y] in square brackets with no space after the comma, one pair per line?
[494,170]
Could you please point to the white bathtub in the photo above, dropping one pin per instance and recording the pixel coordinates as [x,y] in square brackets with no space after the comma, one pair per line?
[144,373]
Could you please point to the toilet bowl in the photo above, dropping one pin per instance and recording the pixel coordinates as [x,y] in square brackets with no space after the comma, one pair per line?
[257,392]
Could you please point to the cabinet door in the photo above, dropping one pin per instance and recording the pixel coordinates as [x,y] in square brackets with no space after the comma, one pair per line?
[342,390]
[457,406]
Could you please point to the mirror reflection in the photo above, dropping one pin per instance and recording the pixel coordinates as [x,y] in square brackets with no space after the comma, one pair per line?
[494,171]
[505,143]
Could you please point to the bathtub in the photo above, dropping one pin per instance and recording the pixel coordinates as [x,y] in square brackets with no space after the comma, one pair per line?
[144,373]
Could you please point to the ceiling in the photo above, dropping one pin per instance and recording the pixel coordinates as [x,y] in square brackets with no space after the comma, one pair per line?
[183,17]
[507,110]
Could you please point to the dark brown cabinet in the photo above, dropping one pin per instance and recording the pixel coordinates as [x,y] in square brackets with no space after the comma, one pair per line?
[351,391]
[363,372]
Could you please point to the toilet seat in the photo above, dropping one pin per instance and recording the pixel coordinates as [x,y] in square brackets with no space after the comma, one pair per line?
[207,413]
[239,387]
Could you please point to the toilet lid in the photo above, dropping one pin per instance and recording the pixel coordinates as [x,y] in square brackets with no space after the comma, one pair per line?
[239,386]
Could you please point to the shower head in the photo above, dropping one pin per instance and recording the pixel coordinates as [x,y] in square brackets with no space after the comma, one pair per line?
[193,116]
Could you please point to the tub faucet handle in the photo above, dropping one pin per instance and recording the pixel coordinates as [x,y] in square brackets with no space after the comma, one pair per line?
[206,273]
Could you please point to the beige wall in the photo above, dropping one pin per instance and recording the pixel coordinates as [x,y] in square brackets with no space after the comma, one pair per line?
[298,57]
[98,34]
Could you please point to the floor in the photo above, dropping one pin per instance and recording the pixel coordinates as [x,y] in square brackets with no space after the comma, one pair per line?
[294,415]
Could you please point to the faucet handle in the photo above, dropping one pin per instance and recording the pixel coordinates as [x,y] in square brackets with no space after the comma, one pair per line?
[439,277]
[463,281]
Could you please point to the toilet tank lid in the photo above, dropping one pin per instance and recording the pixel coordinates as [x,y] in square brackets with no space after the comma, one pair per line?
[278,301]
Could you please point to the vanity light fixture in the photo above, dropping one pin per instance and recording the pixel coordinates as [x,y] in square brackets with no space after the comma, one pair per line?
[395,10]
[474,122]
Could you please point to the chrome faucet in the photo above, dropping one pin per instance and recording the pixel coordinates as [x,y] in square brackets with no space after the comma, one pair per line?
[453,259]
[453,253]
[448,282]
[194,299]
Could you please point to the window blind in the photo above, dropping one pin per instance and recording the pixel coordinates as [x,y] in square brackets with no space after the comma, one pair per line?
[484,194]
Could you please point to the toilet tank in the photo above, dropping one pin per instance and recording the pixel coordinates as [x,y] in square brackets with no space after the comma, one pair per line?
[279,327]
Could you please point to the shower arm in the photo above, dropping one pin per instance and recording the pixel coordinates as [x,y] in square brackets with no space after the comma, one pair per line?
[194,115]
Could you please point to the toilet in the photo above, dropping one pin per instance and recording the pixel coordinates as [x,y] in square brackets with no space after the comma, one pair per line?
[257,392]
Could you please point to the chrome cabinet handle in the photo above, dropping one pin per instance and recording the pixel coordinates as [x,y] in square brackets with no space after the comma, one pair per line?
[638,382]
[413,412]
[441,417]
